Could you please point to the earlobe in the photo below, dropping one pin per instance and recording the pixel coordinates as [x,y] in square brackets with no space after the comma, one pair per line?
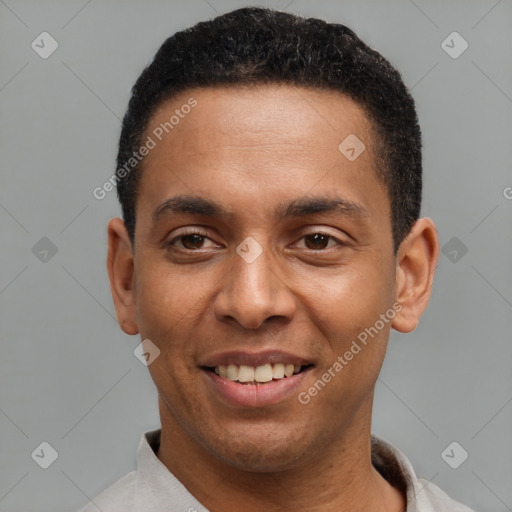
[120,267]
[416,263]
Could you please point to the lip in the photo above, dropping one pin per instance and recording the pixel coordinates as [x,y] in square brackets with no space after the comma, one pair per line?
[256,395]
[255,359]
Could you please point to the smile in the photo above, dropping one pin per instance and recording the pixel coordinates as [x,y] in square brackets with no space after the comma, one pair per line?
[252,387]
[256,375]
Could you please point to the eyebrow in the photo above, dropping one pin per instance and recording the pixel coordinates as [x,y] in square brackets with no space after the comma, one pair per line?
[302,207]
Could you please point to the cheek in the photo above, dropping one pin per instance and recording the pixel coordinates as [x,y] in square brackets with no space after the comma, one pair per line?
[163,318]
[353,298]
[163,313]
[348,312]
[164,296]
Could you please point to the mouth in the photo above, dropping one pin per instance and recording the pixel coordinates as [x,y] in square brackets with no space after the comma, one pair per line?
[264,385]
[255,379]
[257,375]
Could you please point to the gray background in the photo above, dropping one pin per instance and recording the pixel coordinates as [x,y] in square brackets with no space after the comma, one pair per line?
[68,373]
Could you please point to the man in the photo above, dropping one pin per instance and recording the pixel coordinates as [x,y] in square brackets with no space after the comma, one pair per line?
[269,172]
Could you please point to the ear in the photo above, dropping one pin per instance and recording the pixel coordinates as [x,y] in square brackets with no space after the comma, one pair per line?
[120,269]
[416,262]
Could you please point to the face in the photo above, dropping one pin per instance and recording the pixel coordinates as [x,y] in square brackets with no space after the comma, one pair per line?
[259,244]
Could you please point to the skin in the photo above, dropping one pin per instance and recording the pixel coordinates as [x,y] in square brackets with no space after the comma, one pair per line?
[251,149]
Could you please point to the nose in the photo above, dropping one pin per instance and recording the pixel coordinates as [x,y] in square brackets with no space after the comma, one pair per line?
[253,293]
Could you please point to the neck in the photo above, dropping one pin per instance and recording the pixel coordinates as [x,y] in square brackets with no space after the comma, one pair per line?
[339,477]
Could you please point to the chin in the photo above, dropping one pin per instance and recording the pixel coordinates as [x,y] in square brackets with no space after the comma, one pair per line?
[263,454]
[255,461]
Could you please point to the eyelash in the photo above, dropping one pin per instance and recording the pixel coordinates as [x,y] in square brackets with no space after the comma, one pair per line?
[206,235]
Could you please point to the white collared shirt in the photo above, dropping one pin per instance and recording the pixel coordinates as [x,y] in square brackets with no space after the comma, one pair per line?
[153,488]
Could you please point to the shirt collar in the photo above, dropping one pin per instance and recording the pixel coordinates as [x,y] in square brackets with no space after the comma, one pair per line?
[398,470]
[163,487]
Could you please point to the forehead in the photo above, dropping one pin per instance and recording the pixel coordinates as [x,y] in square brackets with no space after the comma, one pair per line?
[264,140]
[250,113]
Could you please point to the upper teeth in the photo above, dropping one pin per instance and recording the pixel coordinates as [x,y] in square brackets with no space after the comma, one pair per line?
[264,373]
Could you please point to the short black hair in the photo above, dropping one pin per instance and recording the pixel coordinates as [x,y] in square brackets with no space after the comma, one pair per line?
[261,46]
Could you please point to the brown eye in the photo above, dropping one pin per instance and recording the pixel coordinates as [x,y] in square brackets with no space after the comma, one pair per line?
[190,241]
[318,241]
